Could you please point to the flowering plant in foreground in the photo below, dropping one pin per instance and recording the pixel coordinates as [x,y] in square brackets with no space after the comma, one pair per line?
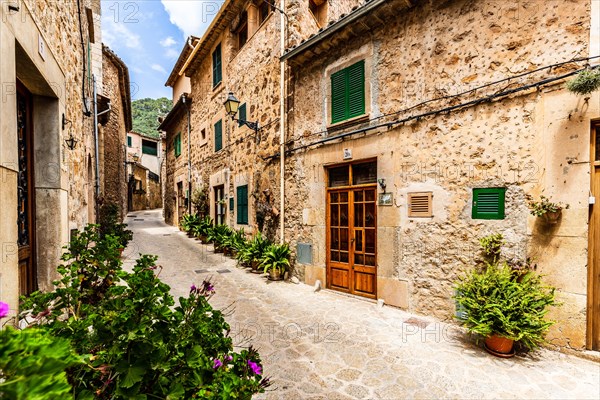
[4,309]
[140,345]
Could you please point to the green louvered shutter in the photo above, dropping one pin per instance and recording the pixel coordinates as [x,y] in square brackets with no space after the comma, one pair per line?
[242,114]
[217,66]
[242,205]
[356,89]
[219,135]
[338,96]
[177,145]
[488,203]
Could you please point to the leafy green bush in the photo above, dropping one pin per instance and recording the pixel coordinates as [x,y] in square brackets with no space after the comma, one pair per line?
[492,245]
[495,302]
[33,365]
[110,224]
[586,82]
[189,222]
[539,208]
[276,257]
[141,344]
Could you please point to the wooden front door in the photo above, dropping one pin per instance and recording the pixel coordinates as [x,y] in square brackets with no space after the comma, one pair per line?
[352,231]
[593,309]
[25,194]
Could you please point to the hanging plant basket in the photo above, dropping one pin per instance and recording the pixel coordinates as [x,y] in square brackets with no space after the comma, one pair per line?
[585,82]
[552,217]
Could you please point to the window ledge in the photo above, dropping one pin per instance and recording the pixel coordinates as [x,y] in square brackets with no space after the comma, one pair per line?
[217,89]
[347,123]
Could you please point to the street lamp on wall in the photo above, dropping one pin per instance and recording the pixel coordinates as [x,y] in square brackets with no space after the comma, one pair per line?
[71,141]
[232,104]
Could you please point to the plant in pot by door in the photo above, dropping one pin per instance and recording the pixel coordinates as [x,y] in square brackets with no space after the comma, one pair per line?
[503,309]
[257,248]
[276,261]
[546,209]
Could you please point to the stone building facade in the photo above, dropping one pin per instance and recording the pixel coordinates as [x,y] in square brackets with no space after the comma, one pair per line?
[144,153]
[50,52]
[456,101]
[113,132]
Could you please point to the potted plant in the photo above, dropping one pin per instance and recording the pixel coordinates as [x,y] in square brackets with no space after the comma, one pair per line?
[276,261]
[257,248]
[546,209]
[586,82]
[503,309]
[201,230]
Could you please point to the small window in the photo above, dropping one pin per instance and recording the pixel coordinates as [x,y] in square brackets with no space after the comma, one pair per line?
[242,31]
[219,135]
[177,145]
[242,205]
[365,173]
[149,147]
[242,114]
[264,11]
[339,176]
[348,93]
[217,67]
[420,205]
[203,134]
[488,203]
[231,204]
[318,8]
[129,141]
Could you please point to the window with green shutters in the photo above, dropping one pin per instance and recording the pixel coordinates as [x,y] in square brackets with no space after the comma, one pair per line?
[217,66]
[242,114]
[129,141]
[488,203]
[242,205]
[149,147]
[348,93]
[177,145]
[219,135]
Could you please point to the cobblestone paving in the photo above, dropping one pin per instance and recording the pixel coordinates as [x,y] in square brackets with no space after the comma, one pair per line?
[327,345]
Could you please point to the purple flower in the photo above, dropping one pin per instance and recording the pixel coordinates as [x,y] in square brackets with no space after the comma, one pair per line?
[193,288]
[207,287]
[217,364]
[256,369]
[228,358]
[4,309]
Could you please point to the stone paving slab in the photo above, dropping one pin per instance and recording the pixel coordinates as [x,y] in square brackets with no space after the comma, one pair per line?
[327,345]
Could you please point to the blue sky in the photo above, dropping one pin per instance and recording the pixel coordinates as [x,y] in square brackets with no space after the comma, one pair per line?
[148,36]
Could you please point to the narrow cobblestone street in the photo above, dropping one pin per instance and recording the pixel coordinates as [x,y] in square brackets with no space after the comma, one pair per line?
[326,345]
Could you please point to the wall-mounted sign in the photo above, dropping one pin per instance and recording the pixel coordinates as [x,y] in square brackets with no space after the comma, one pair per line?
[42,47]
[347,154]
[386,199]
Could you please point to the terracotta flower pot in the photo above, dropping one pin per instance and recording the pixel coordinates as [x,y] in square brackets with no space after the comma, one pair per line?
[499,346]
[275,275]
[551,217]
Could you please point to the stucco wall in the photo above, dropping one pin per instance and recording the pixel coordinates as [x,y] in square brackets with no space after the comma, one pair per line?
[532,143]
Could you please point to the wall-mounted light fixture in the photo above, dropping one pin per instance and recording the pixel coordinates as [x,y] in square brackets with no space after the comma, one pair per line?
[70,141]
[382,183]
[231,106]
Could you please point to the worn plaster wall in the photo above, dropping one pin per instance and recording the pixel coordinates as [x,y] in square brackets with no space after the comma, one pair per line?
[536,142]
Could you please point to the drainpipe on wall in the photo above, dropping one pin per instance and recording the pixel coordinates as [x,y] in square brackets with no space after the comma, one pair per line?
[97,185]
[189,143]
[282,126]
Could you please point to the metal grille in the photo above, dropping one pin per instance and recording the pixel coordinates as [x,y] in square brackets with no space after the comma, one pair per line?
[23,181]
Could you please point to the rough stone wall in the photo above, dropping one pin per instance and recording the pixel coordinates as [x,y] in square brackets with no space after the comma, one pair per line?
[58,20]
[523,143]
[175,169]
[114,133]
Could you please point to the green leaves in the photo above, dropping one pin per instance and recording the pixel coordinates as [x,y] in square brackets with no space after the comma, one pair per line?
[140,346]
[497,301]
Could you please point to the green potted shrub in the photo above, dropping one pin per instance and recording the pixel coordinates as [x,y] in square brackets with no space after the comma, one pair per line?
[585,82]
[504,309]
[219,235]
[546,209]
[257,248]
[276,261]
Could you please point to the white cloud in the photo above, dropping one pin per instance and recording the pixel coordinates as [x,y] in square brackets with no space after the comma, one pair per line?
[171,53]
[116,33]
[192,17]
[167,42]
[158,68]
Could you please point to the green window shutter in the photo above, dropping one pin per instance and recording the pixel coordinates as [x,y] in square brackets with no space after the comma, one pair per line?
[129,141]
[231,204]
[356,89]
[177,145]
[348,93]
[338,97]
[217,66]
[242,114]
[219,135]
[242,205]
[488,203]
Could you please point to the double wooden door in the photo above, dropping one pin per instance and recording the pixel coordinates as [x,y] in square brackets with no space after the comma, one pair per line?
[593,314]
[352,240]
[25,194]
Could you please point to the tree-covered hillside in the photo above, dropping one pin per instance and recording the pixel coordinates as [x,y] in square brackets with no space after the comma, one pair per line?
[145,113]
